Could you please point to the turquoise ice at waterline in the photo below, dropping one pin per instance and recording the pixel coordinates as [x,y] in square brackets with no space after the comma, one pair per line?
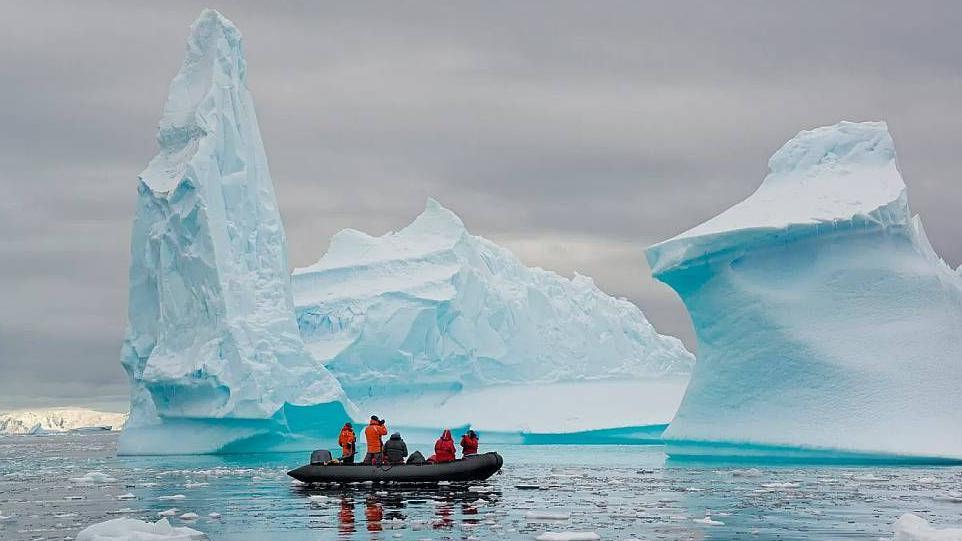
[618,492]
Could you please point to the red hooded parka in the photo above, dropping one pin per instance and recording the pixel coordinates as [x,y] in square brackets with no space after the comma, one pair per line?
[444,448]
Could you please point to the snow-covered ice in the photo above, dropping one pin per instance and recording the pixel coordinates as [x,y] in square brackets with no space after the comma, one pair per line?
[212,350]
[434,315]
[93,477]
[911,527]
[827,326]
[27,421]
[129,529]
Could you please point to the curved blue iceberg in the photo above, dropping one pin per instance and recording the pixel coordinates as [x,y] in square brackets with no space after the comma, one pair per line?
[212,350]
[827,325]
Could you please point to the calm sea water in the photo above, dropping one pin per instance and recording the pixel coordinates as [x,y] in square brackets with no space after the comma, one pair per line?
[619,492]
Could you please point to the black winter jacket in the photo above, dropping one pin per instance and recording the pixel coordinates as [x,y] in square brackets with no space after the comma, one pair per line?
[395,449]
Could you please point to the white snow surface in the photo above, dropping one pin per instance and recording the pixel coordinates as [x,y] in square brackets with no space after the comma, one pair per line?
[431,322]
[911,527]
[211,332]
[826,323]
[26,421]
[821,176]
[129,529]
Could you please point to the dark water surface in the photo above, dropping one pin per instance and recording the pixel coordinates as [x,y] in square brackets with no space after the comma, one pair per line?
[618,492]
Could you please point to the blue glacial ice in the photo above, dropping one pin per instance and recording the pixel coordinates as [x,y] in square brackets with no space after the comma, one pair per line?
[827,326]
[212,349]
[432,326]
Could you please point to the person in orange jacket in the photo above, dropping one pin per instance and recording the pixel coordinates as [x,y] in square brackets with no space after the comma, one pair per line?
[443,449]
[469,443]
[373,434]
[347,441]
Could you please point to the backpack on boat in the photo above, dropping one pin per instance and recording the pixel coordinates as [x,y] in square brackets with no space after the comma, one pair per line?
[416,458]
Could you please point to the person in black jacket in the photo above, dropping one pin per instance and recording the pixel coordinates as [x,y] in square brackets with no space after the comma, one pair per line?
[395,449]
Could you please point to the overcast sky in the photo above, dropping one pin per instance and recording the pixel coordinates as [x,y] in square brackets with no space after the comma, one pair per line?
[575,134]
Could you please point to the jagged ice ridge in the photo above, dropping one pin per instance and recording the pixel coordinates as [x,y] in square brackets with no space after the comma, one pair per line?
[437,327]
[212,349]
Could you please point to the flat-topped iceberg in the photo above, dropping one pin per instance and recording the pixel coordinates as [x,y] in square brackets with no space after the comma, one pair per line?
[827,326]
[212,349]
[433,326]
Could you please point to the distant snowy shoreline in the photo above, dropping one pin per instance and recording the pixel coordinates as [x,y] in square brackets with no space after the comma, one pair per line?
[40,420]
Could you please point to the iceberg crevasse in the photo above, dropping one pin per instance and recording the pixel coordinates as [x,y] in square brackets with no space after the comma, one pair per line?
[433,326]
[212,349]
[827,325]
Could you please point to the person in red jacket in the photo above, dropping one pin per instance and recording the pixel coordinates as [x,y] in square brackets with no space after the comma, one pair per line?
[347,441]
[443,449]
[469,443]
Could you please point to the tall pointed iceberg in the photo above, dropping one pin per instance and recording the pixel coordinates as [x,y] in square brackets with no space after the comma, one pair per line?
[433,327]
[827,326]
[212,349]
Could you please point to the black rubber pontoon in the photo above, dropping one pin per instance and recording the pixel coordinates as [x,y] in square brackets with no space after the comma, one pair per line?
[472,468]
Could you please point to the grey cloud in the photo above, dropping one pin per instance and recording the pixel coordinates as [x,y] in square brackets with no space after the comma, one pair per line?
[590,129]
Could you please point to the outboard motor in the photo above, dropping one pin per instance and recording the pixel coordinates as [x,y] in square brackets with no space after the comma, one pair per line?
[321,456]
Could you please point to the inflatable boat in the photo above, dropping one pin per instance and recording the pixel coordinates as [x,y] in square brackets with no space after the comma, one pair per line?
[470,468]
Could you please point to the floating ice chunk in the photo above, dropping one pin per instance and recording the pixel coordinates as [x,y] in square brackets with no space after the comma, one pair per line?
[127,496]
[750,472]
[189,516]
[169,513]
[393,523]
[6,518]
[93,478]
[317,499]
[568,536]
[547,515]
[173,497]
[786,485]
[870,478]
[74,497]
[213,515]
[196,485]
[708,521]
[480,489]
[129,529]
[911,527]
[123,511]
